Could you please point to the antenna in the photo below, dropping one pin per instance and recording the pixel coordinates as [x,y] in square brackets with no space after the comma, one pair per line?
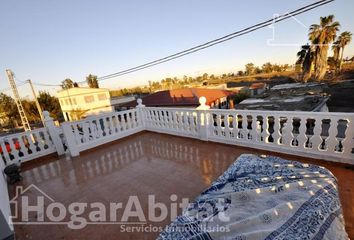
[25,124]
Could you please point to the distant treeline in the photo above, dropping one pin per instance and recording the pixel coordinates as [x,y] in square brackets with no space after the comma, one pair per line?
[187,81]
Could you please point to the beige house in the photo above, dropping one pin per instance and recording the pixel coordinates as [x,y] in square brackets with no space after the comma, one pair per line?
[80,102]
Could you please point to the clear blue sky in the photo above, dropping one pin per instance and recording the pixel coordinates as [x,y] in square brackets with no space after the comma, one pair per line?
[48,41]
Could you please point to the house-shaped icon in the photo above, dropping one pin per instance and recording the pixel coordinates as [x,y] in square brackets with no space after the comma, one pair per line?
[21,191]
[274,40]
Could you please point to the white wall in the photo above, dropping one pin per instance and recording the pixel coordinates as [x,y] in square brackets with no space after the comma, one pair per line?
[4,195]
[73,99]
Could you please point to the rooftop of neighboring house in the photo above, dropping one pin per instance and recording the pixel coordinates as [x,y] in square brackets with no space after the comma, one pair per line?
[258,86]
[182,97]
[289,97]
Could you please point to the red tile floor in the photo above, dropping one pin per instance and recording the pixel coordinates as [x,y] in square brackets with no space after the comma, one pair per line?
[140,165]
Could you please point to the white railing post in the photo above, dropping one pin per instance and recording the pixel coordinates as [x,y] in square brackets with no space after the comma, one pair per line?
[203,119]
[140,114]
[53,132]
[70,139]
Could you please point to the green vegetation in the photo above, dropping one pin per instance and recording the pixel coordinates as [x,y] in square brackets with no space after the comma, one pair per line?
[239,97]
[92,81]
[250,73]
[313,58]
[67,83]
[11,118]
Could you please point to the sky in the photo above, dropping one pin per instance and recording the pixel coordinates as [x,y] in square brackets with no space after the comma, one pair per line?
[48,41]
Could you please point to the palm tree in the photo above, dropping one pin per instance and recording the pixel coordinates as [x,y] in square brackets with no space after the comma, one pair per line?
[343,40]
[321,35]
[305,59]
[336,52]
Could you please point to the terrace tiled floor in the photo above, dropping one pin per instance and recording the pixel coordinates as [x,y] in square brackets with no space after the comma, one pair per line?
[143,164]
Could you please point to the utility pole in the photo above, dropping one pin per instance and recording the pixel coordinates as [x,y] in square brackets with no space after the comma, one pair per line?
[36,101]
[24,120]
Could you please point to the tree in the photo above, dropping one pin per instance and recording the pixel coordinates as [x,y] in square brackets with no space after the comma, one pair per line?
[249,68]
[321,35]
[9,110]
[205,77]
[31,111]
[51,104]
[240,73]
[305,59]
[343,40]
[67,83]
[257,70]
[267,67]
[92,81]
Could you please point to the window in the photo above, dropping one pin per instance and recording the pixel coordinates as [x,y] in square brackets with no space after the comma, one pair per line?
[89,99]
[66,102]
[74,101]
[102,97]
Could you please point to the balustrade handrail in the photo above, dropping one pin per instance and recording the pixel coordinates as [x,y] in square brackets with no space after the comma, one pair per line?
[251,128]
[302,113]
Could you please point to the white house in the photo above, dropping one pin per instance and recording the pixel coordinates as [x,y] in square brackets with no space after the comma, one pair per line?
[80,102]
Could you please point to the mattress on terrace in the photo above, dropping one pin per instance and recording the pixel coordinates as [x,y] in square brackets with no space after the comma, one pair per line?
[264,197]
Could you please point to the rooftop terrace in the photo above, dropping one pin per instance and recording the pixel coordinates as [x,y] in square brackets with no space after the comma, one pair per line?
[163,151]
[142,164]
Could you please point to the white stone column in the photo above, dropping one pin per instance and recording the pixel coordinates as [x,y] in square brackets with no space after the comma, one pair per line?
[140,113]
[203,118]
[53,132]
[70,139]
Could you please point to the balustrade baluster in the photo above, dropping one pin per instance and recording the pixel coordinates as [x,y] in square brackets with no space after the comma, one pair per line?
[86,136]
[302,138]
[5,153]
[332,141]
[276,134]
[287,135]
[348,142]
[265,132]
[244,130]
[23,147]
[254,131]
[316,139]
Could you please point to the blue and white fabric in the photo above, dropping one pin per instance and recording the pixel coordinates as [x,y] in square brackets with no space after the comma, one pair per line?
[264,197]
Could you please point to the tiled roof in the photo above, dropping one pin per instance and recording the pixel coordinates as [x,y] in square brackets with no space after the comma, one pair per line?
[182,97]
[257,85]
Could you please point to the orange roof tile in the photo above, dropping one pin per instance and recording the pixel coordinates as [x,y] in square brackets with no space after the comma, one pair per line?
[182,97]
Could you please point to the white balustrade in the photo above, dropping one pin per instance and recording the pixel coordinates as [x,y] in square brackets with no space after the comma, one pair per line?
[176,121]
[100,129]
[328,136]
[25,146]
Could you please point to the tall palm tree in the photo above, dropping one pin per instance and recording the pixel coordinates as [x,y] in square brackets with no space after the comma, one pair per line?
[343,40]
[321,35]
[336,52]
[305,58]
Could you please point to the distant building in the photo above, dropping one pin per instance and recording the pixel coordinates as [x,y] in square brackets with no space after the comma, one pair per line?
[257,88]
[79,102]
[186,97]
[253,89]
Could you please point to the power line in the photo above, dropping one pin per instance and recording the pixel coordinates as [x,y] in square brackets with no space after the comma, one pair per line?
[220,40]
[9,88]
[208,44]
[46,85]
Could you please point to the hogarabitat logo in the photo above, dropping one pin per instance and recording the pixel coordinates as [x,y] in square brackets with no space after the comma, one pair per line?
[33,206]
